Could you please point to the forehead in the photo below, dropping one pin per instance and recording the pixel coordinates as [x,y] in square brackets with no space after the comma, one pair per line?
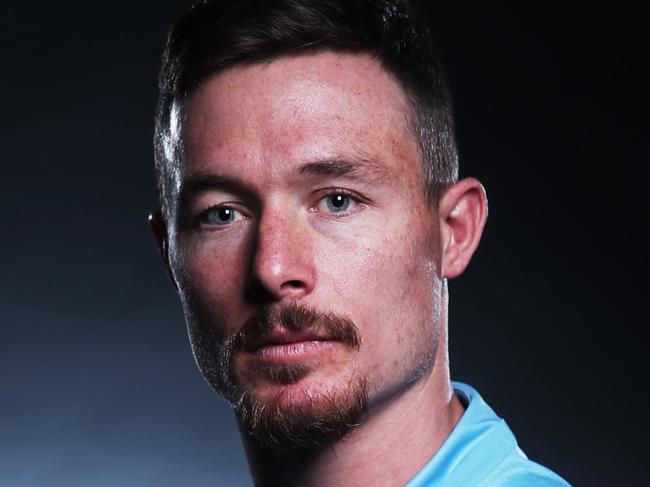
[265,119]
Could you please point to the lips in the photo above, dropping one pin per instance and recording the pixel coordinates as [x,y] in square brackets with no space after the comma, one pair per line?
[284,345]
[292,335]
[282,336]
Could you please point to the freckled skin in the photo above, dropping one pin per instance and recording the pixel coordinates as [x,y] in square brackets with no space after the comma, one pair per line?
[381,265]
[257,124]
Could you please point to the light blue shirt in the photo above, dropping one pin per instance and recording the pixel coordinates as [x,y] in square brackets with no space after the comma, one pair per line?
[481,451]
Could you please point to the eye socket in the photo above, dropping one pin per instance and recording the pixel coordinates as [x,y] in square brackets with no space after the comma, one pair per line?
[338,203]
[220,216]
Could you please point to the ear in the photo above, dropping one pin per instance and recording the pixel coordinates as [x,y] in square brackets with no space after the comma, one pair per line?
[463,212]
[159,229]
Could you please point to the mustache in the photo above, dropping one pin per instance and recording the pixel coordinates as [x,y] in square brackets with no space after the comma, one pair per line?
[296,317]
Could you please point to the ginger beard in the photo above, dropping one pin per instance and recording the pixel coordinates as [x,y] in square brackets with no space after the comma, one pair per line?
[278,418]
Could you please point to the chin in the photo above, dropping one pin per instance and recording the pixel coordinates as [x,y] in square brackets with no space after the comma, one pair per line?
[307,412]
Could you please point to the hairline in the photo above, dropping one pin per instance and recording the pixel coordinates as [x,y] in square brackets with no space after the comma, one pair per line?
[412,115]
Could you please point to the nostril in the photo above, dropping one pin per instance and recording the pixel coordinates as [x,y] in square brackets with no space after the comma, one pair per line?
[294,284]
[293,289]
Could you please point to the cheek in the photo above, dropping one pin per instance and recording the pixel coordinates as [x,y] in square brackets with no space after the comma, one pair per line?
[387,280]
[210,275]
[377,260]
[381,279]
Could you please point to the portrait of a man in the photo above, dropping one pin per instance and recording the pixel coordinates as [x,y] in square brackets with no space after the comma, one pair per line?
[311,217]
[248,242]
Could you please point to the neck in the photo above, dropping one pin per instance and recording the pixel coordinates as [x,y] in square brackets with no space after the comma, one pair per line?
[395,441]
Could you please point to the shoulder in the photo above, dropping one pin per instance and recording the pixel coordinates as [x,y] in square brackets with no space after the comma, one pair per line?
[517,471]
[482,451]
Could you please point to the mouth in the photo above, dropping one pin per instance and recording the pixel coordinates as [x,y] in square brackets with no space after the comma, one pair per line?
[283,346]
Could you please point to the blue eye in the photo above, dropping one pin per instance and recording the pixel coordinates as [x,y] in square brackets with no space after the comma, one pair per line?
[223,215]
[338,203]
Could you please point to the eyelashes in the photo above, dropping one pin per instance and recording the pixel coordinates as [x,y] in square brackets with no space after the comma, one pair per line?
[330,203]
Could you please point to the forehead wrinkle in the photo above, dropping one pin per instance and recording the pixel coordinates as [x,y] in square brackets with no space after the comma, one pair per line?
[357,168]
[273,143]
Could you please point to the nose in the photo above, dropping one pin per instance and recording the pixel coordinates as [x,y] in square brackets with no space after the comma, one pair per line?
[283,266]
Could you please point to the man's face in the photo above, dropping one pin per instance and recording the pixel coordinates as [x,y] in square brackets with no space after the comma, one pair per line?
[300,199]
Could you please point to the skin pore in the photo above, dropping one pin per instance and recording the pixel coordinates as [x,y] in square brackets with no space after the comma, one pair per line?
[301,186]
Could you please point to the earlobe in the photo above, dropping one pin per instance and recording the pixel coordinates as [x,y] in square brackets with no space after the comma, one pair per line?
[159,229]
[463,212]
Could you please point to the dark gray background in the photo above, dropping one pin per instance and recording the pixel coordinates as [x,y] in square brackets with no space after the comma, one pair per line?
[97,383]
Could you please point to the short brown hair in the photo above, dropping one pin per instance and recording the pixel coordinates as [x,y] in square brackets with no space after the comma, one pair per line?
[217,34]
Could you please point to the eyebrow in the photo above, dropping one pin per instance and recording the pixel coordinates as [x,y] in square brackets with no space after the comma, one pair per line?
[357,168]
[201,182]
